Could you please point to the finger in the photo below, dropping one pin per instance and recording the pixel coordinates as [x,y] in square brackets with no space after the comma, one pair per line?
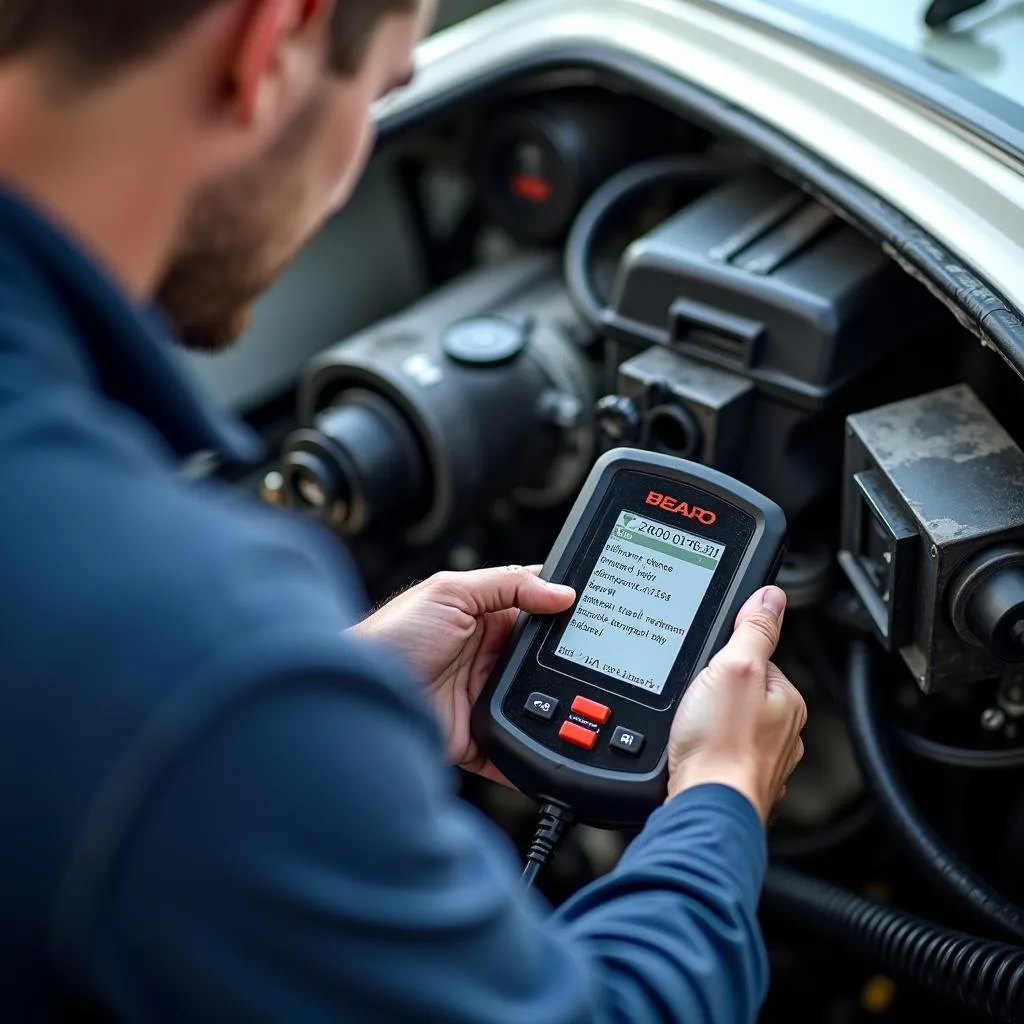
[512,586]
[758,626]
[795,757]
[782,689]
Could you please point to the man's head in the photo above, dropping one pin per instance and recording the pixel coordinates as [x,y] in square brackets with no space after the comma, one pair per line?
[261,114]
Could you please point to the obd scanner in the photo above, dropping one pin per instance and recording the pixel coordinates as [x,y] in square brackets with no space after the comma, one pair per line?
[662,554]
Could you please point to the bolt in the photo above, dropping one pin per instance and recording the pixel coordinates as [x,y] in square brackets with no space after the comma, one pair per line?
[993,719]
[564,411]
[1011,697]
[272,488]
[934,552]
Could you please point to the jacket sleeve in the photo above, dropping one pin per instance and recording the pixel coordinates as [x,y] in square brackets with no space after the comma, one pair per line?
[306,858]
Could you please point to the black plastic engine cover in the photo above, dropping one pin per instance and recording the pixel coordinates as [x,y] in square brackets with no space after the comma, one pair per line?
[760,279]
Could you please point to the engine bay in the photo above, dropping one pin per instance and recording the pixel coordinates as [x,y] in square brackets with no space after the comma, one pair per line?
[597,271]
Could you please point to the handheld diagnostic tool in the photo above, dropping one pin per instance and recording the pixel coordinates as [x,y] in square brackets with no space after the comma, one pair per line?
[662,554]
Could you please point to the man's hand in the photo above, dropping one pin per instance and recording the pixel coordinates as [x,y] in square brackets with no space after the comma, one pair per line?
[451,629]
[739,723]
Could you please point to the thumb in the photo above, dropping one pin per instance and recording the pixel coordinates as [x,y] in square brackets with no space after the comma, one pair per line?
[759,625]
[514,586]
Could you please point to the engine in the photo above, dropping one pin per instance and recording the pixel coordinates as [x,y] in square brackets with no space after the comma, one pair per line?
[597,288]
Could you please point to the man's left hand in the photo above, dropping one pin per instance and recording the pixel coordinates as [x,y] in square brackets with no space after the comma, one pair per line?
[451,628]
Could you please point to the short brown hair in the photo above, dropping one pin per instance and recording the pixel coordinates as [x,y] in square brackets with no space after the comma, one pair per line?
[96,37]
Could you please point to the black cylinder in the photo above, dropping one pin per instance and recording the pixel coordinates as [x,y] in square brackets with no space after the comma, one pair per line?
[673,430]
[995,613]
[358,468]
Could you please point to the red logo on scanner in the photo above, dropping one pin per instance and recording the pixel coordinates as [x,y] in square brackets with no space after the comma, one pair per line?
[681,508]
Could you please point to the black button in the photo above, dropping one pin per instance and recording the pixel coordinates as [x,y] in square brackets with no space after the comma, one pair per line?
[541,706]
[627,741]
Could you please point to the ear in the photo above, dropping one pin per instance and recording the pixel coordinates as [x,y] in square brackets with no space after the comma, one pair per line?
[265,81]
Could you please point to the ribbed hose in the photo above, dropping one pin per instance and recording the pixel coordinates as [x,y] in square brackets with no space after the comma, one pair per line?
[932,853]
[976,974]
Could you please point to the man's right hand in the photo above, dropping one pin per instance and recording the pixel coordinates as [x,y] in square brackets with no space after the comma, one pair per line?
[739,723]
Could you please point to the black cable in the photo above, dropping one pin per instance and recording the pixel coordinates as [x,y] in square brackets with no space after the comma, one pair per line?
[974,973]
[960,757]
[697,171]
[931,852]
[553,822]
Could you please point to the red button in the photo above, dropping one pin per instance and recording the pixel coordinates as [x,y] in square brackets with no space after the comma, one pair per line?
[592,710]
[573,733]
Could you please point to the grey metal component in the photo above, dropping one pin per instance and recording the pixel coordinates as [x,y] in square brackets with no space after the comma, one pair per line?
[717,400]
[886,553]
[929,483]
[485,431]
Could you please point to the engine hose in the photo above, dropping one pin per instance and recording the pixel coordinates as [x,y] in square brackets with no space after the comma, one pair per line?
[930,850]
[974,973]
[699,172]
[961,757]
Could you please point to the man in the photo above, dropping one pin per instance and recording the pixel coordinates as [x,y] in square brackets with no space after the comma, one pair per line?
[222,795]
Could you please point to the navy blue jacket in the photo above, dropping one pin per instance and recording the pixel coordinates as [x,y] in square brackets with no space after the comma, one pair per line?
[214,806]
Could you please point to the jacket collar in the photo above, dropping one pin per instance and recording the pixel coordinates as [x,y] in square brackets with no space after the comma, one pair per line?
[126,352]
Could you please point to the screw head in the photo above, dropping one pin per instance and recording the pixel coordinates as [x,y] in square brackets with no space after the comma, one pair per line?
[993,719]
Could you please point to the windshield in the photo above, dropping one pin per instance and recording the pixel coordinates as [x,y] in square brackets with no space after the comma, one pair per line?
[972,68]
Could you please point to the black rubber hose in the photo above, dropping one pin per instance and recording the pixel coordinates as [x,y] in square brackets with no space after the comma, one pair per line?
[931,852]
[961,757]
[974,973]
[699,172]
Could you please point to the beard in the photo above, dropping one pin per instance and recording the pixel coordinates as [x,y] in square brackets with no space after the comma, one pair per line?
[239,237]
